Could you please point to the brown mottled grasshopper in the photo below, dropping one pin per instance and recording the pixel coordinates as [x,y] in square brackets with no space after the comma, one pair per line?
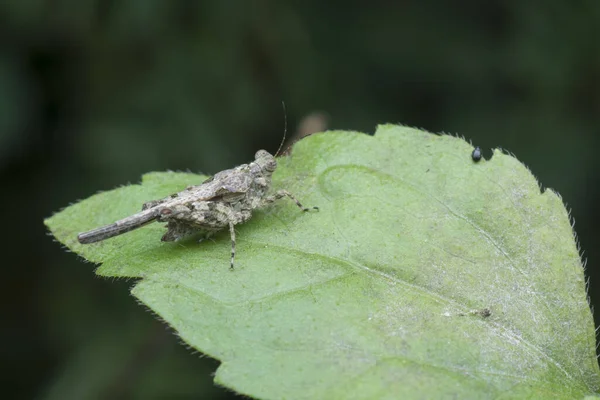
[226,199]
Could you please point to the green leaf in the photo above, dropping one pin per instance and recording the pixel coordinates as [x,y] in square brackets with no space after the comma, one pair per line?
[423,275]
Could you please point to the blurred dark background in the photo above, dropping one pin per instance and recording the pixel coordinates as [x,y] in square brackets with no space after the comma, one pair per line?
[94,93]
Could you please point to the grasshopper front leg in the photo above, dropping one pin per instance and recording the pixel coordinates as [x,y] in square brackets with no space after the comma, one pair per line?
[284,193]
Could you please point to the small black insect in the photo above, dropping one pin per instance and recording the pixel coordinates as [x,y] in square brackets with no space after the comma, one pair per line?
[476,154]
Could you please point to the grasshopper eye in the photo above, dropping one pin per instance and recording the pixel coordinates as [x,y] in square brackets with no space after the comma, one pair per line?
[271,165]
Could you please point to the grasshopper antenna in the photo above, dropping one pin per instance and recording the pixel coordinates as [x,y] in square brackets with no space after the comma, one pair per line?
[284,128]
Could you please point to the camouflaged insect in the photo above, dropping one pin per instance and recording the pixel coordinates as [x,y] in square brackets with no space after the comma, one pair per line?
[224,200]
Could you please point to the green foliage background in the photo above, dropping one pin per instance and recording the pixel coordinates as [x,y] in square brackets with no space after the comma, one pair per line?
[95,93]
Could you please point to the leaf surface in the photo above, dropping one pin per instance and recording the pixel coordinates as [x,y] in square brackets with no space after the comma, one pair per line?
[423,275]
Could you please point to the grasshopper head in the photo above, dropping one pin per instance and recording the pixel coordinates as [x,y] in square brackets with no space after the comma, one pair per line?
[265,161]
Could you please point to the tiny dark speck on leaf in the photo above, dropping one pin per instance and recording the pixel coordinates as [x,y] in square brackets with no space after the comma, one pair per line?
[483,313]
[486,312]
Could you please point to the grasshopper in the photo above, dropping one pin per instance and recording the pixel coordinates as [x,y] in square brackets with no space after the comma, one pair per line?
[224,200]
